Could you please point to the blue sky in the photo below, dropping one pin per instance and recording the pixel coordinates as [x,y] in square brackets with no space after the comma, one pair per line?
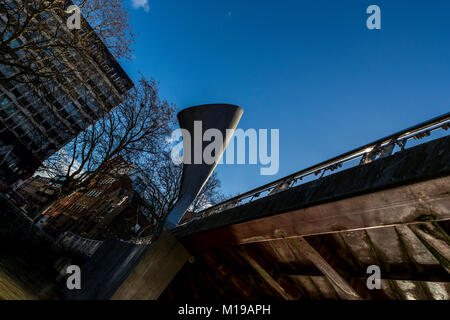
[311,69]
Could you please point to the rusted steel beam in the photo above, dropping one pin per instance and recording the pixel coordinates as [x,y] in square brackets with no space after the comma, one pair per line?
[265,275]
[436,240]
[302,247]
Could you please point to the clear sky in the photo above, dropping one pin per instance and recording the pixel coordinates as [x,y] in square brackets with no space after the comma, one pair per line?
[311,69]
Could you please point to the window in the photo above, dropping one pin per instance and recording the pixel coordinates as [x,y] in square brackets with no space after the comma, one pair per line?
[16,93]
[36,136]
[7,107]
[70,108]
[45,15]
[90,101]
[94,193]
[59,219]
[46,125]
[4,101]
[13,162]
[79,208]
[39,117]
[103,88]
[107,181]
[76,116]
[7,70]
[81,92]
[20,119]
[19,131]
[114,101]
[64,100]
[23,102]
[52,133]
[16,43]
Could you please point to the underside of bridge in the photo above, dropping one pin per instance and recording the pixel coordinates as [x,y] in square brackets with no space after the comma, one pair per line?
[316,241]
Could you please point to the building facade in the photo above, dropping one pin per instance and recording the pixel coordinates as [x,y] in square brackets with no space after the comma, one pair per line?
[36,122]
[110,207]
[35,194]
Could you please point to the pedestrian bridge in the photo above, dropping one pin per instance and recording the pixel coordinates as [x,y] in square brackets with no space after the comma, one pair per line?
[311,235]
[316,241]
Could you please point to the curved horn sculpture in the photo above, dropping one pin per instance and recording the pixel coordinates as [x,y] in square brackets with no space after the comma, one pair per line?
[196,172]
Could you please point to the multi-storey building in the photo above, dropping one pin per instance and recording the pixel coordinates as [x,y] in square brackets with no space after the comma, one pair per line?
[36,122]
[35,194]
[112,206]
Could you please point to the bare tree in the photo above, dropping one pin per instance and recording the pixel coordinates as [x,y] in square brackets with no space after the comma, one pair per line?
[135,130]
[36,45]
[162,190]
[166,181]
[136,133]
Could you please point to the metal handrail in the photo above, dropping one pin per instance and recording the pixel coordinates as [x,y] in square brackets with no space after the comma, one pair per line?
[369,152]
[79,244]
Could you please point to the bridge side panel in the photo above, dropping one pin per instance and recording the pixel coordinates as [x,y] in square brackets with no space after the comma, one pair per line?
[106,270]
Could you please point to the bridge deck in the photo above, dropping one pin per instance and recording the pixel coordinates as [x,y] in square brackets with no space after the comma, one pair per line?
[315,241]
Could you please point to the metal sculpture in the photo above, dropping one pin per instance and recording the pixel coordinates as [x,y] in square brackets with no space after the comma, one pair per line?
[196,172]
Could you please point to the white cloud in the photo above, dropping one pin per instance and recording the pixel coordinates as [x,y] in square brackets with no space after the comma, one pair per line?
[141,4]
[60,167]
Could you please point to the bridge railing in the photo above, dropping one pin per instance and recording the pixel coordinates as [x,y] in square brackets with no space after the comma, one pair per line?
[79,245]
[376,150]
[140,241]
